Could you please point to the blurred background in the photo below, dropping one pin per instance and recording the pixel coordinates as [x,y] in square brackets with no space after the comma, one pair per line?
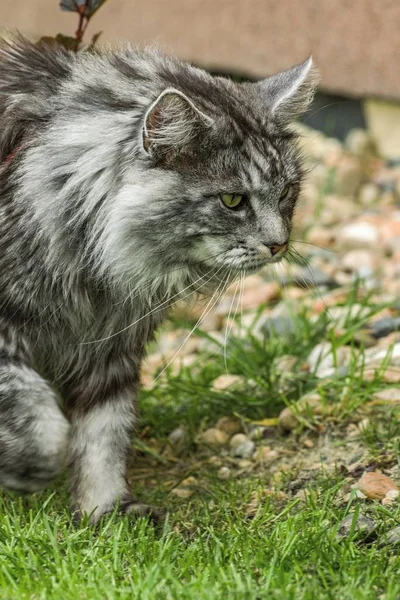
[356,45]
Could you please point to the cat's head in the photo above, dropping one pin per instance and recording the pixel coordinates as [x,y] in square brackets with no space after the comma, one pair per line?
[217,173]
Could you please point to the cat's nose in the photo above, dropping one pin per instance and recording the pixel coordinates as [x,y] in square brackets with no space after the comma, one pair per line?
[277,248]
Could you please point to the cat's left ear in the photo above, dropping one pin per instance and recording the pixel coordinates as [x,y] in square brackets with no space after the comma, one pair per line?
[172,123]
[288,94]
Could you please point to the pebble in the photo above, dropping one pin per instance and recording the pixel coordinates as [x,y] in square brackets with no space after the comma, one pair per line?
[286,363]
[226,381]
[279,326]
[360,262]
[244,463]
[391,537]
[289,416]
[183,493]
[368,194]
[390,498]
[348,176]
[213,437]
[359,235]
[265,293]
[389,375]
[360,143]
[375,356]
[323,360]
[312,276]
[375,485]
[390,395]
[363,526]
[188,481]
[244,450]
[383,327]
[224,473]
[230,425]
[265,455]
[177,436]
[259,432]
[237,439]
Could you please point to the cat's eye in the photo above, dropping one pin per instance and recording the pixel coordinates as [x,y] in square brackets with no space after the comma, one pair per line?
[284,192]
[232,200]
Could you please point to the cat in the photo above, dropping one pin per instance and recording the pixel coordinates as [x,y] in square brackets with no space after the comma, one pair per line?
[128,180]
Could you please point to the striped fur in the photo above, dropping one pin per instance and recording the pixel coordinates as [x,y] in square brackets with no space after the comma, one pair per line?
[112,164]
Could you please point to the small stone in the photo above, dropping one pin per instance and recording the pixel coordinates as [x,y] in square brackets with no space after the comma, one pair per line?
[374,355]
[279,326]
[313,277]
[383,327]
[286,363]
[224,473]
[390,497]
[374,485]
[237,440]
[363,526]
[321,236]
[324,361]
[244,450]
[364,425]
[230,425]
[266,293]
[348,177]
[287,420]
[311,403]
[359,235]
[244,463]
[360,142]
[177,436]
[392,537]
[390,395]
[389,375]
[182,492]
[189,481]
[308,443]
[260,432]
[265,455]
[356,261]
[216,461]
[213,437]
[368,194]
[224,382]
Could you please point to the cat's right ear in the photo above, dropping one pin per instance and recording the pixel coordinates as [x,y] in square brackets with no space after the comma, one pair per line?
[172,123]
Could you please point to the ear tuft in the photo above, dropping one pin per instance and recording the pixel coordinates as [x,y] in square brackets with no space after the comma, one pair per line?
[288,94]
[172,122]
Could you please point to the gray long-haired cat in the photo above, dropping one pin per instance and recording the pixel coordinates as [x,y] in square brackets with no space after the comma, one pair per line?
[128,180]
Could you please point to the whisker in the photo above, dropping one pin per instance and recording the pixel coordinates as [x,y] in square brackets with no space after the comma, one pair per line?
[165,304]
[228,327]
[204,314]
[317,292]
[314,246]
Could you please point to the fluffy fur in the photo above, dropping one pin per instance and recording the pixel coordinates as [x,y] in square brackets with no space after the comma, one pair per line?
[111,170]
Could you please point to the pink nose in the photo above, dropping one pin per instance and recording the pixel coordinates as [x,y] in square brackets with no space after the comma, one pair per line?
[278,248]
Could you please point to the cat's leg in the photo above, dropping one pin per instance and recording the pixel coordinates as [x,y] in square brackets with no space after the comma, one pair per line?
[99,450]
[33,430]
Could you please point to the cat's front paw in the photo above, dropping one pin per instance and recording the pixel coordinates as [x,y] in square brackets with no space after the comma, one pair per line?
[138,510]
[127,507]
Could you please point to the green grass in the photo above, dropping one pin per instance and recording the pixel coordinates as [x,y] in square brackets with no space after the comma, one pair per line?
[208,548]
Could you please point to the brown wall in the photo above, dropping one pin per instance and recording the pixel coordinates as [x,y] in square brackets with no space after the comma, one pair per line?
[356,43]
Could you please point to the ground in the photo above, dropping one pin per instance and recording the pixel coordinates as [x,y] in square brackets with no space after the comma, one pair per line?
[258,435]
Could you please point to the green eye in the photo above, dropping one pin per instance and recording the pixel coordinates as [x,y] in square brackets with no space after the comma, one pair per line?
[284,192]
[232,200]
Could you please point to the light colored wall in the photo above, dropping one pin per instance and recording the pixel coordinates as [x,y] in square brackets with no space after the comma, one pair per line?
[356,43]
